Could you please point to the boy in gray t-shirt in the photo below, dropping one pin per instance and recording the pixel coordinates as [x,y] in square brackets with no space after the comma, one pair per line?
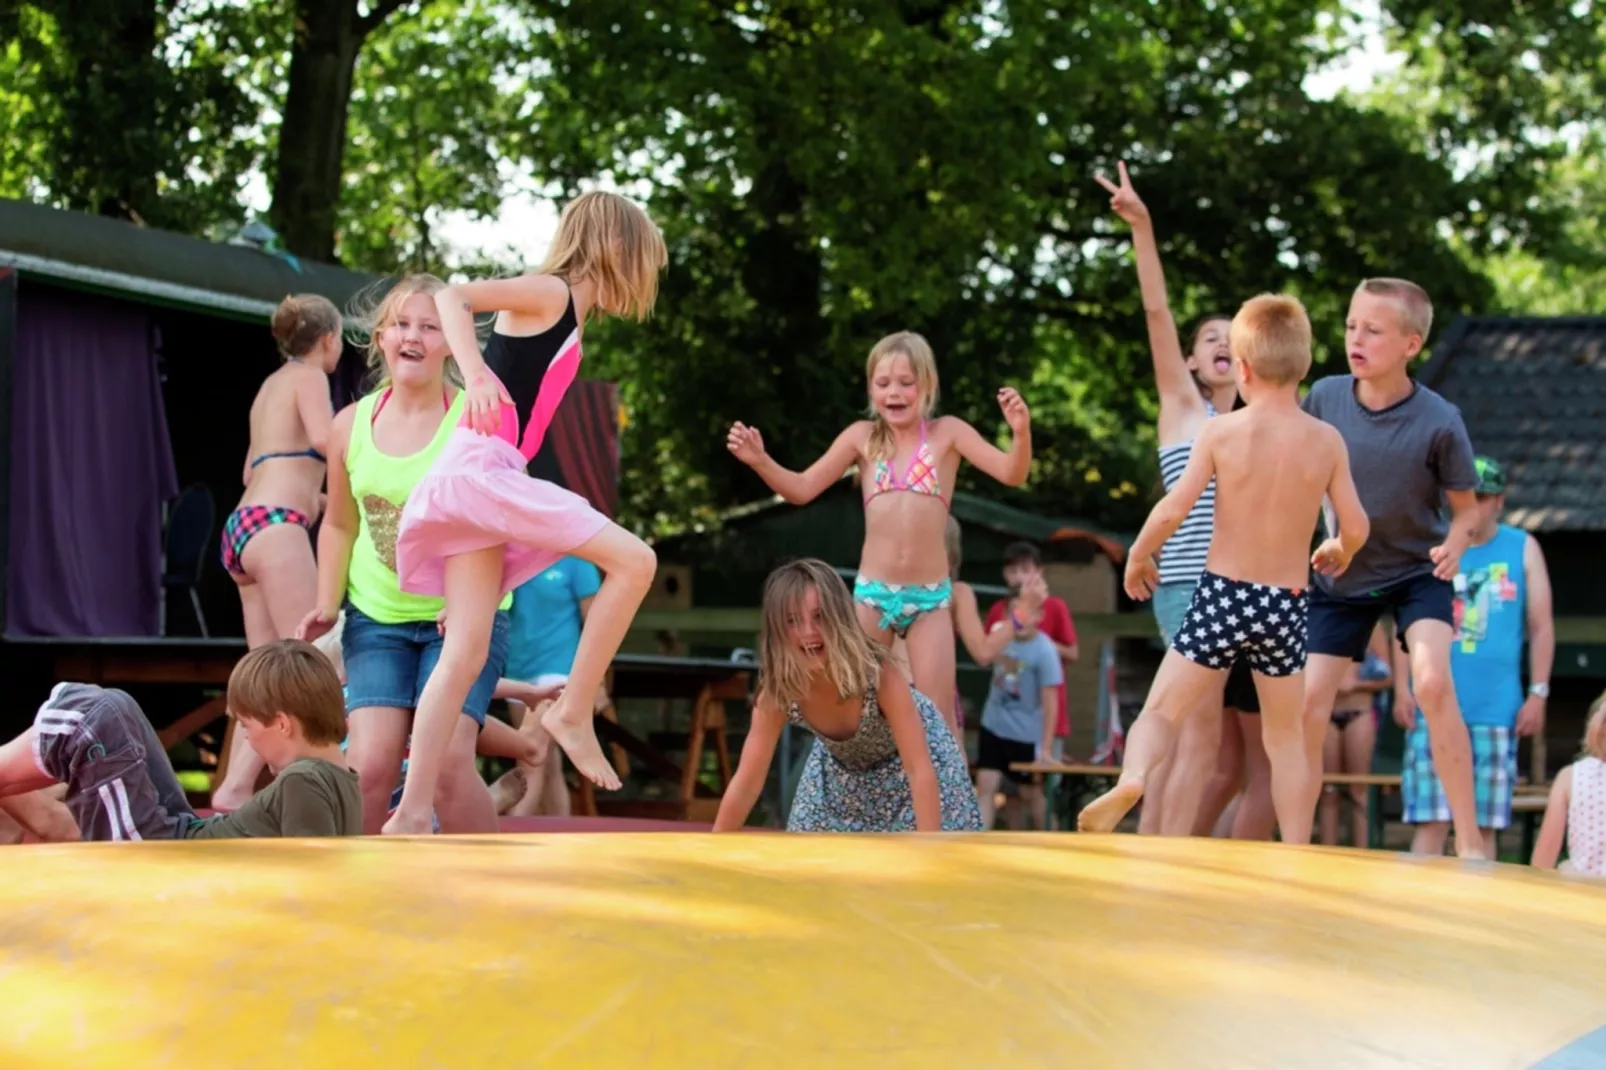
[1409,452]
[1022,710]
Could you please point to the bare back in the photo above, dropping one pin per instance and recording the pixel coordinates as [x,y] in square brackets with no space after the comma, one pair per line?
[1273,466]
[286,403]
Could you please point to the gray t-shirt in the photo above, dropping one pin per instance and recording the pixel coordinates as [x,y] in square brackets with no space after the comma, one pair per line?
[309,797]
[1014,709]
[1403,459]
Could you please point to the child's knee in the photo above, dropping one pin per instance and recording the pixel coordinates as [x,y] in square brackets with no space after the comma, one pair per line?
[1432,688]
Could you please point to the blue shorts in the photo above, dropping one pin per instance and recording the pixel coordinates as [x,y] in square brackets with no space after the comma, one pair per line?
[388,664]
[1342,626]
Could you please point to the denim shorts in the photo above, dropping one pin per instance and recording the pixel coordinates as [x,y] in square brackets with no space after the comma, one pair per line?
[388,664]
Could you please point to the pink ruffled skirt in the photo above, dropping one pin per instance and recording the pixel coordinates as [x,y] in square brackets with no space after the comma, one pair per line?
[477,495]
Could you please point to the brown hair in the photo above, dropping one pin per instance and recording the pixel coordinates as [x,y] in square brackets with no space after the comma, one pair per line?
[377,306]
[301,320]
[1416,308]
[1271,333]
[292,678]
[953,545]
[852,660]
[1595,729]
[917,351]
[608,239]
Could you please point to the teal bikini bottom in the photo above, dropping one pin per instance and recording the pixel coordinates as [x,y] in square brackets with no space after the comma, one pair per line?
[901,604]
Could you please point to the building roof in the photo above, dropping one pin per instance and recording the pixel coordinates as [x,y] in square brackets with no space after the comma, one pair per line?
[1532,390]
[127,260]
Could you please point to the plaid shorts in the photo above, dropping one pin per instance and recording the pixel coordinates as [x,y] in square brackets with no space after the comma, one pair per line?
[1494,773]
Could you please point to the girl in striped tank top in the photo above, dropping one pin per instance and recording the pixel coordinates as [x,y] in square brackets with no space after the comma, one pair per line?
[1207,768]
[1577,807]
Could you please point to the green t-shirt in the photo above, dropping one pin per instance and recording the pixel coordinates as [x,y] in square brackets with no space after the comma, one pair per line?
[309,797]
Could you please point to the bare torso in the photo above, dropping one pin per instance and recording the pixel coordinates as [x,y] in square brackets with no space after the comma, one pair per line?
[277,427]
[1273,465]
[903,530]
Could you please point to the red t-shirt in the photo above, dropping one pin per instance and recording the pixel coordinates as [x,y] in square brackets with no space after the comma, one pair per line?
[1057,625]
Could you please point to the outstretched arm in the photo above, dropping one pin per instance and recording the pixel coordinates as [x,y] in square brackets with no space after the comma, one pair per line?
[1009,468]
[798,488]
[752,768]
[1169,512]
[316,411]
[338,531]
[909,733]
[1176,387]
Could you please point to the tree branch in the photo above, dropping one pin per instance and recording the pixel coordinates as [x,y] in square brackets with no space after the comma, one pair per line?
[378,12]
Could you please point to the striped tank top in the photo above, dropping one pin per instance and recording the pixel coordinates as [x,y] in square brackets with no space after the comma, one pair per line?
[1182,558]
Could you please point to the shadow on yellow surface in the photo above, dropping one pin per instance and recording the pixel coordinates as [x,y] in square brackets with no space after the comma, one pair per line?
[779,951]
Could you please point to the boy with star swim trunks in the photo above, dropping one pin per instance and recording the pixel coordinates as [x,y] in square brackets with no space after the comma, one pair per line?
[1272,464]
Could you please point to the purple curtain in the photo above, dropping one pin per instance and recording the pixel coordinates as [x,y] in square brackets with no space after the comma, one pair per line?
[91,465]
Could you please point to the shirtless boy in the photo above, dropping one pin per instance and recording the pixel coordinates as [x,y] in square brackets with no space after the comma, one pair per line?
[1273,464]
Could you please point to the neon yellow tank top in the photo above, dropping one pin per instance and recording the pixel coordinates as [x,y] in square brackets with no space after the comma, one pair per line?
[380,484]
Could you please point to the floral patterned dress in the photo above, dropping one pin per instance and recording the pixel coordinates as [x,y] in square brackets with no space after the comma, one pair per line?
[858,784]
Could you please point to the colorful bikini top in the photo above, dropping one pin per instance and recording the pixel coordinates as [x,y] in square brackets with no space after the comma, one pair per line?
[919,478]
[536,370]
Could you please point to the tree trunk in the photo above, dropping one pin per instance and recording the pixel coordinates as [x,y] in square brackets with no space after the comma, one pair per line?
[312,136]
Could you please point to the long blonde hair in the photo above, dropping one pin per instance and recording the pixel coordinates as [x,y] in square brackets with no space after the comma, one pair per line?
[1595,729]
[609,239]
[375,307]
[922,362]
[852,660]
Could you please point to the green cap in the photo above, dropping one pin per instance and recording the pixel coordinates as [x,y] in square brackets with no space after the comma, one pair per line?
[1491,477]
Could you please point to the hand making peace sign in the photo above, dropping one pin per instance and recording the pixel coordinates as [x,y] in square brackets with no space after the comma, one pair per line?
[1125,203]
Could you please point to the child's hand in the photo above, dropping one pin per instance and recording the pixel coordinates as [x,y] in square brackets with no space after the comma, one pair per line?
[1033,593]
[483,403]
[1330,559]
[746,443]
[315,625]
[1142,577]
[1446,556]
[1016,414]
[440,623]
[1125,203]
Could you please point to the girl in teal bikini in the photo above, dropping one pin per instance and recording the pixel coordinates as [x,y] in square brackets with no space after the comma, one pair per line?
[905,457]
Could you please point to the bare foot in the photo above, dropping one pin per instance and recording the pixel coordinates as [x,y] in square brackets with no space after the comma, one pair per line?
[508,790]
[570,724]
[1106,812]
[1470,852]
[402,824]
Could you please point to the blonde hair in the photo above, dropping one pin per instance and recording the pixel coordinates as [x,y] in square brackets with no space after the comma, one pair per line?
[1271,333]
[1416,308]
[608,239]
[293,678]
[301,320]
[851,659]
[1595,729]
[917,351]
[953,545]
[376,307]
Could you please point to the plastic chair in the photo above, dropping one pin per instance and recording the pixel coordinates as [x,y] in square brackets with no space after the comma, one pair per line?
[188,539]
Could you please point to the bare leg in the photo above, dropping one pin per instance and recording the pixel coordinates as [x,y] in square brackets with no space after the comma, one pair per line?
[534,768]
[628,566]
[1154,792]
[508,790]
[245,765]
[987,784]
[1360,739]
[19,771]
[1227,778]
[1229,816]
[1035,802]
[1323,675]
[1429,644]
[554,799]
[377,738]
[43,814]
[1429,838]
[1282,730]
[1332,762]
[1193,763]
[1177,690]
[462,801]
[1255,819]
[931,658]
[473,587]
